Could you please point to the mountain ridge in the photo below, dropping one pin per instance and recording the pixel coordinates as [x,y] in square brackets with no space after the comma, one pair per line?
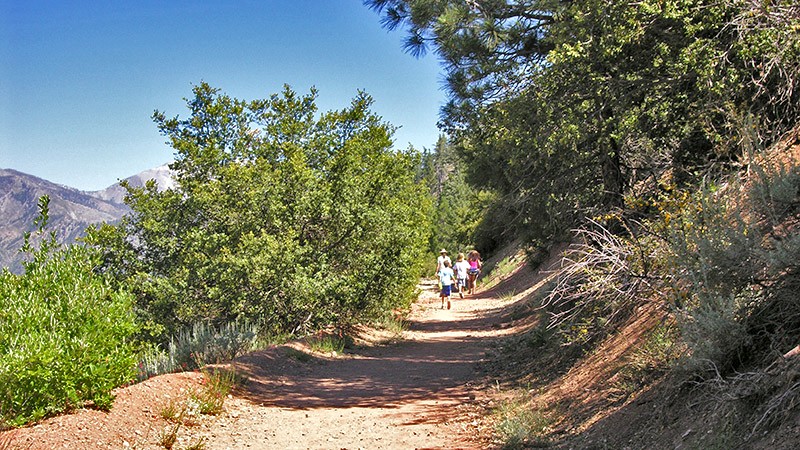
[71,210]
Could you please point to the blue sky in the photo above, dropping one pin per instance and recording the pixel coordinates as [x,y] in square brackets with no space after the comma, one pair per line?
[79,80]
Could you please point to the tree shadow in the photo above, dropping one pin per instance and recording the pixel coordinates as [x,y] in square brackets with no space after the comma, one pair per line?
[435,366]
[380,377]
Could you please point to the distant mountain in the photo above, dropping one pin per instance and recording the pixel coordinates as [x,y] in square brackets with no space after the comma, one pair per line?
[71,210]
[115,193]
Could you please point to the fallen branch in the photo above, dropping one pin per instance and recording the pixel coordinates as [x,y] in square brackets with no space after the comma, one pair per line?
[793,352]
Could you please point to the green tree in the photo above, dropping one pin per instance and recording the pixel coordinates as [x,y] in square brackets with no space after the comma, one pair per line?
[281,214]
[457,207]
[563,107]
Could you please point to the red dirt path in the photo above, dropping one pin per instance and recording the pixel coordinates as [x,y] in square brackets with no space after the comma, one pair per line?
[421,392]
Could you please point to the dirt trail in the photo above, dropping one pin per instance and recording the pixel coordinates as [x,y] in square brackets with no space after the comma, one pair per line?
[412,394]
[419,392]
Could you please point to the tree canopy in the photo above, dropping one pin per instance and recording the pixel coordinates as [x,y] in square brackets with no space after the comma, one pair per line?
[564,108]
[280,214]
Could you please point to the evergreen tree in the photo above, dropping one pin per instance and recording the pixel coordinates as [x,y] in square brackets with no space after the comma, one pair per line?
[562,107]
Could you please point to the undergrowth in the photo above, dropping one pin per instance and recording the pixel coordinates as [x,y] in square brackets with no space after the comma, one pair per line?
[201,345]
[327,343]
[208,400]
[519,423]
[494,275]
[720,259]
[64,331]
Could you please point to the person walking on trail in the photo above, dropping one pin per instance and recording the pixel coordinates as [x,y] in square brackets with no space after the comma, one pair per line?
[441,259]
[446,280]
[461,267]
[474,260]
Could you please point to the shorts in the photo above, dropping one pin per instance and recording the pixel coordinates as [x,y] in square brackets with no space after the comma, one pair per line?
[445,291]
[462,282]
[474,271]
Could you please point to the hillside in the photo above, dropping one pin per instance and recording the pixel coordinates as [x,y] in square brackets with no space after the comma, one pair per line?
[71,210]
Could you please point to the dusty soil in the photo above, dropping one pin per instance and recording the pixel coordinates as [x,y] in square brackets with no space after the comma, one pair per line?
[422,391]
[437,386]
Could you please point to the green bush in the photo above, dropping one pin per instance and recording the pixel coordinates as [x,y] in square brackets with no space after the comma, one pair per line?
[63,333]
[279,214]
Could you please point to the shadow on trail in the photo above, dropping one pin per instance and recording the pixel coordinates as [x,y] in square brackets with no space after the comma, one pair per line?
[434,366]
[408,371]
[467,325]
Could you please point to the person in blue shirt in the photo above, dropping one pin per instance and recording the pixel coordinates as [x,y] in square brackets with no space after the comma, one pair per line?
[446,278]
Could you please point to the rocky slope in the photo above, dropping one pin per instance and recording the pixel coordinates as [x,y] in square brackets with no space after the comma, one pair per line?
[71,210]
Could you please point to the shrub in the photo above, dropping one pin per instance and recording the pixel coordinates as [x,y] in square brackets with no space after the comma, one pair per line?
[605,276]
[202,344]
[64,332]
[731,269]
[519,424]
[323,224]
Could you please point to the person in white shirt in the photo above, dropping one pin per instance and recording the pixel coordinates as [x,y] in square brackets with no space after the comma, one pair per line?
[460,268]
[441,259]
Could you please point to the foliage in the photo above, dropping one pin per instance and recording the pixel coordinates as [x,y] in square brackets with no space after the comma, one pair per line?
[604,278]
[519,424]
[563,108]
[279,214]
[217,384]
[326,343]
[169,435]
[64,331]
[172,410]
[201,345]
[732,258]
[658,353]
[458,209]
[394,324]
[632,122]
[209,399]
[720,258]
[298,355]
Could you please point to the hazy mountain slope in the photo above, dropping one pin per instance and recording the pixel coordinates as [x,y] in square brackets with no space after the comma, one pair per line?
[71,210]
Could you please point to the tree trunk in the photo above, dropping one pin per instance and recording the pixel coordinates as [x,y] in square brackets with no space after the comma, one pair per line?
[613,182]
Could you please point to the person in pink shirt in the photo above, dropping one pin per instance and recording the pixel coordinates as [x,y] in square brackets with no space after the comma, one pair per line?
[474,260]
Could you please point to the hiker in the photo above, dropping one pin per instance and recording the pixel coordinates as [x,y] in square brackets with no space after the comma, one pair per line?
[446,280]
[441,259]
[461,267]
[474,260]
